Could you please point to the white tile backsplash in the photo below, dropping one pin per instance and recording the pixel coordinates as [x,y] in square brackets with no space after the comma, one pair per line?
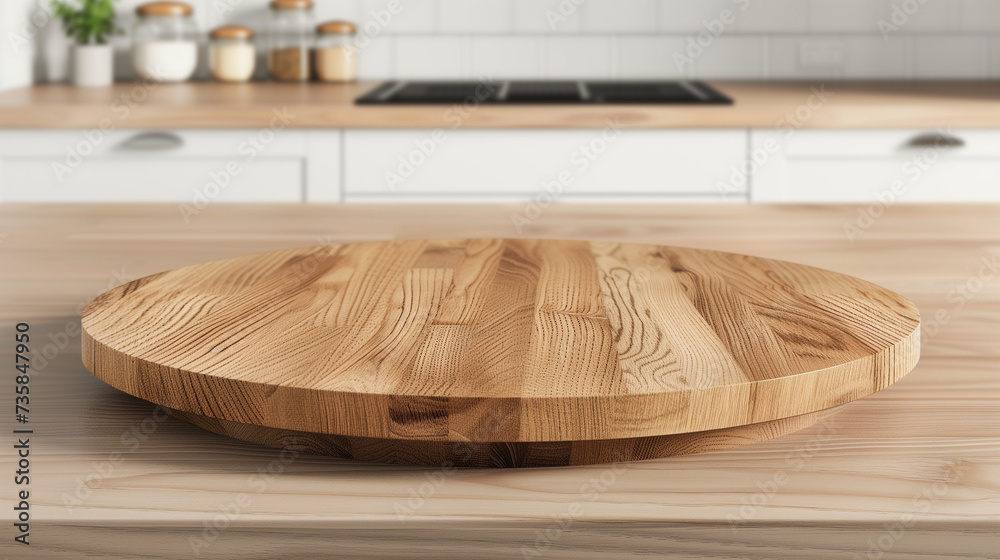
[955,57]
[546,16]
[736,57]
[429,57]
[349,10]
[873,58]
[993,67]
[772,16]
[482,16]
[980,15]
[927,16]
[415,16]
[766,39]
[688,16]
[505,57]
[847,16]
[804,57]
[376,58]
[649,57]
[578,57]
[220,12]
[614,16]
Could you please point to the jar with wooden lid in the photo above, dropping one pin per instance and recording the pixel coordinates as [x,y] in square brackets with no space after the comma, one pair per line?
[232,56]
[164,42]
[291,37]
[336,56]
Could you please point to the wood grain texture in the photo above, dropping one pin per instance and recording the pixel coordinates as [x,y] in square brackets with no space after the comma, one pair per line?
[849,105]
[504,454]
[501,341]
[141,484]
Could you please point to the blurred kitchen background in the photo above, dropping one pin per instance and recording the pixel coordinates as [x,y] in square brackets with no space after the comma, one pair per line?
[769,39]
[833,101]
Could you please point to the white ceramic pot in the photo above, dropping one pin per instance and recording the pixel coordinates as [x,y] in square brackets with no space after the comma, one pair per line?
[92,65]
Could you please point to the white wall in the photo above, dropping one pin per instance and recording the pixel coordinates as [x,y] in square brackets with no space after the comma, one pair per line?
[765,39]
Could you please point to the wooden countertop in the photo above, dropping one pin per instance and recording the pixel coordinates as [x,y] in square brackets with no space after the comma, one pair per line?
[758,105]
[912,471]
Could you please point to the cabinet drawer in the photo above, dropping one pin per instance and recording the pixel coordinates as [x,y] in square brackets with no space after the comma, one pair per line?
[138,179]
[152,166]
[513,164]
[59,144]
[866,166]
[873,180]
[888,143]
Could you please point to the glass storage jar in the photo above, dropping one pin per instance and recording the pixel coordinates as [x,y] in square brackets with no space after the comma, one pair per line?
[164,42]
[232,56]
[335,56]
[291,37]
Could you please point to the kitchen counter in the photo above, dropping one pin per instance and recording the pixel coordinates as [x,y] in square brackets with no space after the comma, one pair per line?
[253,105]
[910,472]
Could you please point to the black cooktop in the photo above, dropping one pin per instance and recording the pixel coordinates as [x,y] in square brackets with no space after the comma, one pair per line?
[534,92]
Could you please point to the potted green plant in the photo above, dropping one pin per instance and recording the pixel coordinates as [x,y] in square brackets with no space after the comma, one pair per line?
[90,23]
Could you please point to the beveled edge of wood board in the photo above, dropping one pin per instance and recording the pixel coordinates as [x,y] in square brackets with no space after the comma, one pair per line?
[505,454]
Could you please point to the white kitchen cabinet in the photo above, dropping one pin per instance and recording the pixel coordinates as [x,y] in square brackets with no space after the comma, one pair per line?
[509,165]
[858,166]
[184,166]
[598,165]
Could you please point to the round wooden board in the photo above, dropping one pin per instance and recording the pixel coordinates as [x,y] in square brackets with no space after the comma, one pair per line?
[499,341]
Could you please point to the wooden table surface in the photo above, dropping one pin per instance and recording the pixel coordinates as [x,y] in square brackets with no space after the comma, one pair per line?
[910,472]
[850,105]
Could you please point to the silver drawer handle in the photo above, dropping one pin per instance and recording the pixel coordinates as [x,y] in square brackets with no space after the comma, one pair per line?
[153,141]
[935,140]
